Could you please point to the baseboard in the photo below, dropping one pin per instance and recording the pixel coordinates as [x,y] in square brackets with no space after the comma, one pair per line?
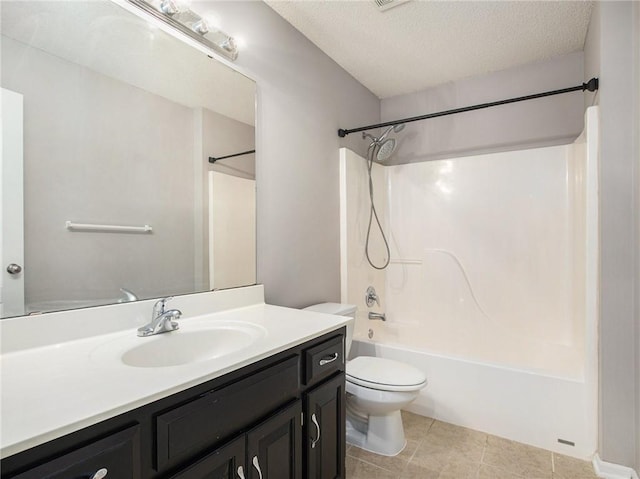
[609,470]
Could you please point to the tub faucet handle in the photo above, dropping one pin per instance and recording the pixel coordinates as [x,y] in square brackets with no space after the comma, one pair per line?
[371,297]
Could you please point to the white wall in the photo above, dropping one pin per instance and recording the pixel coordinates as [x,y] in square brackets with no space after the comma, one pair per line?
[303,98]
[611,52]
[535,123]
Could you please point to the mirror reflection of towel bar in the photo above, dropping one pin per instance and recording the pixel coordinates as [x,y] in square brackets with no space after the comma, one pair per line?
[112,228]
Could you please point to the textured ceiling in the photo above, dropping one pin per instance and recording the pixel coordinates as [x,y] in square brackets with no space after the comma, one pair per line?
[420,44]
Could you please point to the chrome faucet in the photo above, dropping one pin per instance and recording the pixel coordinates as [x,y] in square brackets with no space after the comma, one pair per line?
[128,296]
[379,316]
[161,321]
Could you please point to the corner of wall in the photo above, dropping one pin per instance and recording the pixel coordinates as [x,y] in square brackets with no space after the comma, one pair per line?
[619,187]
[636,149]
[592,54]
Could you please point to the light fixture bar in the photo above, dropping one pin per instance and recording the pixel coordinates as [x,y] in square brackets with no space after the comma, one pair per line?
[191,24]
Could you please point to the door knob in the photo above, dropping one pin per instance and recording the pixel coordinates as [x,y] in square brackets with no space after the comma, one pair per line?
[14,268]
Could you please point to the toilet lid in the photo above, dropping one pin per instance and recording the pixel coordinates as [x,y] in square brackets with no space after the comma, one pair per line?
[384,374]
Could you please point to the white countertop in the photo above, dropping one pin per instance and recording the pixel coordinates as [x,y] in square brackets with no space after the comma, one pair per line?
[52,390]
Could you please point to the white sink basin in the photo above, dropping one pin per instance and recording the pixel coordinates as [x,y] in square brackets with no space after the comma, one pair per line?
[190,344]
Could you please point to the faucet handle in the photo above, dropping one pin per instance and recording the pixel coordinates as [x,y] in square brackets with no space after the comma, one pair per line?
[371,297]
[158,308]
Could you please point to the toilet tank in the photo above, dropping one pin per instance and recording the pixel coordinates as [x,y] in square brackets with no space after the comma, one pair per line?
[338,309]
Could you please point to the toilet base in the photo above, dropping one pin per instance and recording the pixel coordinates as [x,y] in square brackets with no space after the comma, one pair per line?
[383,434]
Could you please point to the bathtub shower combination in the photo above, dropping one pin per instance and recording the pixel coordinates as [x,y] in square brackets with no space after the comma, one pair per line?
[491,288]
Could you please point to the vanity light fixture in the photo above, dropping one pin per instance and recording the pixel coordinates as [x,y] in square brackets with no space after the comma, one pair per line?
[203,29]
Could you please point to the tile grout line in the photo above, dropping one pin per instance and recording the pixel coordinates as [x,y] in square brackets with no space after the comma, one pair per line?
[371,464]
[553,463]
[420,441]
[414,453]
[484,449]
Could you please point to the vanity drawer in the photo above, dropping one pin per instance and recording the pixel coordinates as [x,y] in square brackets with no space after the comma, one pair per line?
[213,417]
[324,359]
[117,455]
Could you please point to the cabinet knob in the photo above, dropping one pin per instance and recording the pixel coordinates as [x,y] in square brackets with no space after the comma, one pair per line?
[315,421]
[100,473]
[240,472]
[256,464]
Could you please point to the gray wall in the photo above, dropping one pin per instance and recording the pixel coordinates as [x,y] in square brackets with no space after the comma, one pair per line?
[636,102]
[303,98]
[636,216]
[529,124]
[611,52]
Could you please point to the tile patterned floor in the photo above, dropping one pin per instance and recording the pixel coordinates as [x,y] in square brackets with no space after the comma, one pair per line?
[438,450]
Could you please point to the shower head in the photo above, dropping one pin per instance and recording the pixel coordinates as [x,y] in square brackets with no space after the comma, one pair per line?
[386,149]
[395,128]
[386,146]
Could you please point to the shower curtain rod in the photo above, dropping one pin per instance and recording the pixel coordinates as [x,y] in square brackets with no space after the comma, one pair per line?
[213,159]
[591,85]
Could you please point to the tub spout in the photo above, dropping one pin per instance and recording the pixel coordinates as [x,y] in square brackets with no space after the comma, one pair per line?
[379,316]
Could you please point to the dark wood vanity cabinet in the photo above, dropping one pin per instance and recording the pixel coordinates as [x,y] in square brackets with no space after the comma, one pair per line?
[280,418]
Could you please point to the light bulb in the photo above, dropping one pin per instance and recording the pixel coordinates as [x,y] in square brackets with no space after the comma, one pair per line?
[172,7]
[229,45]
[201,26]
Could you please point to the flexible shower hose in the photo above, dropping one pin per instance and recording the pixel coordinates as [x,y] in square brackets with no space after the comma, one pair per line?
[373,213]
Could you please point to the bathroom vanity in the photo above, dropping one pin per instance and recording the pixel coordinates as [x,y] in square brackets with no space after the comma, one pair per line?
[272,409]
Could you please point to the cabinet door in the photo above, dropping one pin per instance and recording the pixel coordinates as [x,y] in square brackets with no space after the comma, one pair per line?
[274,448]
[226,462]
[115,456]
[325,430]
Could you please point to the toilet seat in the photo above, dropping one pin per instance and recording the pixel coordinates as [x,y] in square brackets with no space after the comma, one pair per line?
[384,374]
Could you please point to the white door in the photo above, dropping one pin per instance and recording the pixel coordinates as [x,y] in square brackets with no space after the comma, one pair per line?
[11,207]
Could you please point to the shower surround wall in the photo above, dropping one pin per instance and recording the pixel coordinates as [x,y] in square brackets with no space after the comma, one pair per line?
[492,257]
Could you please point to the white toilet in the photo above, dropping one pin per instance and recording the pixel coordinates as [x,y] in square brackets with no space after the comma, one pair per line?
[377,389]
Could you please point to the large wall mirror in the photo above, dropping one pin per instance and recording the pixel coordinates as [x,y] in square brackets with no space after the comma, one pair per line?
[107,192]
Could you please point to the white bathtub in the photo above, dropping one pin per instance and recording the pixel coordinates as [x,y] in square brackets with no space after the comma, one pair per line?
[529,405]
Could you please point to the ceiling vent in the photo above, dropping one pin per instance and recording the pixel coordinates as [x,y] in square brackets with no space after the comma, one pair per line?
[384,5]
